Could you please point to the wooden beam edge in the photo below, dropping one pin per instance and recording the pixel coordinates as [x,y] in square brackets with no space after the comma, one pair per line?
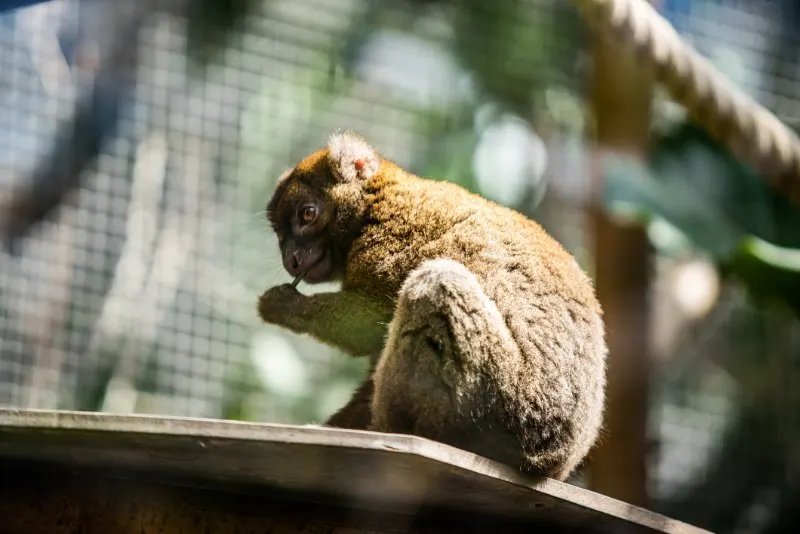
[14,418]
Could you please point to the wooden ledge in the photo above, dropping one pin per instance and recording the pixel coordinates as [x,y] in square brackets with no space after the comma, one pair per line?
[342,468]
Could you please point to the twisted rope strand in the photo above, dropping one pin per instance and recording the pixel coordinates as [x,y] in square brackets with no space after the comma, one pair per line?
[750,131]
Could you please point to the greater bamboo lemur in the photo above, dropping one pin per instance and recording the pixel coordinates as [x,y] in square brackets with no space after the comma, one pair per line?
[485,333]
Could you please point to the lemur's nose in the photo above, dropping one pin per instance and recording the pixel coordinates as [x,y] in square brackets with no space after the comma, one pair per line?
[297,261]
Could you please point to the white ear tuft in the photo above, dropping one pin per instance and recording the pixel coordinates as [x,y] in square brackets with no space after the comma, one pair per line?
[350,157]
[284,175]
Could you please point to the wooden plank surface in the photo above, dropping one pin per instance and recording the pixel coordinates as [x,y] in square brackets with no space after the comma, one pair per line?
[359,470]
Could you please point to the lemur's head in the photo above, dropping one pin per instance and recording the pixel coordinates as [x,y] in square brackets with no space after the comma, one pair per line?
[318,207]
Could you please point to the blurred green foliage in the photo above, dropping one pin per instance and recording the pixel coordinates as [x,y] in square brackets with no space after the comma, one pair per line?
[210,26]
[716,204]
[516,51]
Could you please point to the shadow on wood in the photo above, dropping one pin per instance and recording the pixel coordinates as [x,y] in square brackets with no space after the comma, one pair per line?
[66,472]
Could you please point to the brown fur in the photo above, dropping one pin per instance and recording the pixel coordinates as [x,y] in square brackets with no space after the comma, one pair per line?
[495,341]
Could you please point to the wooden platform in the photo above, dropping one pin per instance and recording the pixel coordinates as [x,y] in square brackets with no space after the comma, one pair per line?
[68,472]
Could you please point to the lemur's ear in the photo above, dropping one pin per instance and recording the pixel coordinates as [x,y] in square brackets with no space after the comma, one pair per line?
[284,175]
[350,157]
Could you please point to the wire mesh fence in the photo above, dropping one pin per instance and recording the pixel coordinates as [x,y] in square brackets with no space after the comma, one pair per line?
[139,293]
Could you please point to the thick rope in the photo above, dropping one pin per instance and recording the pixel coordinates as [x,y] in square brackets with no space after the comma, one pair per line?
[749,130]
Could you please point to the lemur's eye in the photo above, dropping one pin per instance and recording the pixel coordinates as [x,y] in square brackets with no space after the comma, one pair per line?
[308,214]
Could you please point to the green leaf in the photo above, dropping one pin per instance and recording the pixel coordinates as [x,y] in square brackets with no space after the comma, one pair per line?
[632,188]
[769,271]
[718,204]
[723,184]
